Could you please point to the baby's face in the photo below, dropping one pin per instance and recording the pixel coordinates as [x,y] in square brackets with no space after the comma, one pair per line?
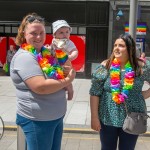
[62,33]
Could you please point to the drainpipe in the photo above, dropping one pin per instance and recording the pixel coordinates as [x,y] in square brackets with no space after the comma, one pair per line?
[133,18]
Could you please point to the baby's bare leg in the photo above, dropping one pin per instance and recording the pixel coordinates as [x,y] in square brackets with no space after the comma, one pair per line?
[70,91]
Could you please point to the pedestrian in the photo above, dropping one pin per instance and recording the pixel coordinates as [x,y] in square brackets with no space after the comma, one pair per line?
[143,57]
[10,53]
[61,41]
[40,83]
[118,79]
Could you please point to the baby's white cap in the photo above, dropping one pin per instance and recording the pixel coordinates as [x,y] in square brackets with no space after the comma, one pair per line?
[58,24]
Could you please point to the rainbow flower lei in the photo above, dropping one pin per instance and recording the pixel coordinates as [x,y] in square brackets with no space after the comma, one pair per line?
[117,95]
[62,57]
[48,63]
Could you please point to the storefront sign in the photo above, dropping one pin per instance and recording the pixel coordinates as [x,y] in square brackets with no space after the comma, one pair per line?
[140,30]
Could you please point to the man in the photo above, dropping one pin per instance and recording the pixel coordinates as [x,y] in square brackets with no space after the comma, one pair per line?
[10,54]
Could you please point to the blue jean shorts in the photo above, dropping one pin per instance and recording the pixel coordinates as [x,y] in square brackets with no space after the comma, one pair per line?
[41,135]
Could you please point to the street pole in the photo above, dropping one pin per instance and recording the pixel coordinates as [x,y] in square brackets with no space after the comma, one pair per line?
[21,143]
[133,18]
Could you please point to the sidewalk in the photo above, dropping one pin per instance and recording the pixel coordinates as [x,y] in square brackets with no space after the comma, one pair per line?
[78,109]
[77,117]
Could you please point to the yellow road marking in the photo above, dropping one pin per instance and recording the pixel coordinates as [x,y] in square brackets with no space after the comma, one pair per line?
[69,129]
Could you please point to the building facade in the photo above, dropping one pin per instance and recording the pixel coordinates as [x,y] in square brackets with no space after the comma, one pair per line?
[95,20]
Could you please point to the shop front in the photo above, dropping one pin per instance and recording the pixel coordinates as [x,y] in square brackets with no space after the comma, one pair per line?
[89,21]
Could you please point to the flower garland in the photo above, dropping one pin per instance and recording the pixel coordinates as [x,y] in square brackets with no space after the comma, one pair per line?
[117,95]
[61,56]
[48,63]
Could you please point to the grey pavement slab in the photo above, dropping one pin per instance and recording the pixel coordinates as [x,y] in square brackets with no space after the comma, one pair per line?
[77,114]
[77,109]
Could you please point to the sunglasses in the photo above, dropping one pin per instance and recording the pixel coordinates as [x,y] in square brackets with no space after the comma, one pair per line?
[31,19]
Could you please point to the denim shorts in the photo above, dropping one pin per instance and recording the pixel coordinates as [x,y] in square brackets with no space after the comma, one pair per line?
[41,135]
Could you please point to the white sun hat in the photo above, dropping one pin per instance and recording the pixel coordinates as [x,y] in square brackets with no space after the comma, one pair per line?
[58,24]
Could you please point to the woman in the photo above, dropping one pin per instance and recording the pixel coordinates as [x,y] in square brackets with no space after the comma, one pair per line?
[40,83]
[109,92]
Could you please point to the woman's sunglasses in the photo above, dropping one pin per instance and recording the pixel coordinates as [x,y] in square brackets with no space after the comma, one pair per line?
[31,19]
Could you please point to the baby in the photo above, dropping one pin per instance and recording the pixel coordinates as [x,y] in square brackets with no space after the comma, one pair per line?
[61,34]
[61,41]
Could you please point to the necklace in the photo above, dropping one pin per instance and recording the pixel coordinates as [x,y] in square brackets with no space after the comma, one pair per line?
[61,56]
[117,95]
[48,63]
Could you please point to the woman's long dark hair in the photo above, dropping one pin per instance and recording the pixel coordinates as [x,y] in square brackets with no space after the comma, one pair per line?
[131,49]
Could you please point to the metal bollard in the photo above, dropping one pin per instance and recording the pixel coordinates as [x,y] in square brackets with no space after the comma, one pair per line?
[21,142]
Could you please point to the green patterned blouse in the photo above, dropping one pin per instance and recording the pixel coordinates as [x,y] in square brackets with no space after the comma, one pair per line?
[111,113]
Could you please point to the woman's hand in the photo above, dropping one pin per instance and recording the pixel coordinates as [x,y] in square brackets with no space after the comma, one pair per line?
[94,103]
[71,75]
[146,93]
[95,124]
[67,67]
[142,57]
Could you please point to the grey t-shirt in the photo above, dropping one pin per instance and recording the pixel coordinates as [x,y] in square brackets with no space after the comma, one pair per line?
[41,107]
